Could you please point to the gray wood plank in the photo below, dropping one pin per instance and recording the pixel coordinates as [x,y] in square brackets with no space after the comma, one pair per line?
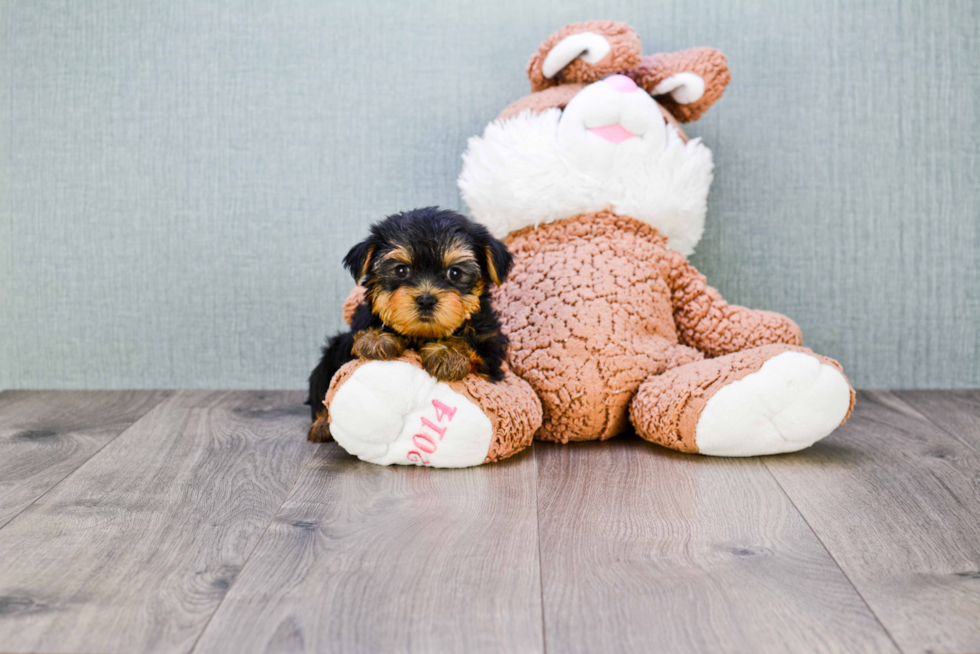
[644,549]
[956,412]
[363,558]
[134,551]
[45,435]
[896,501]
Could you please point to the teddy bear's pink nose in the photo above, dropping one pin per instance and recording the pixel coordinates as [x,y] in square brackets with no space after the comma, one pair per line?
[621,83]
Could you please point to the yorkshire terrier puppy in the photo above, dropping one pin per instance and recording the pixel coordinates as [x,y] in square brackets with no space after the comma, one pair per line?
[428,274]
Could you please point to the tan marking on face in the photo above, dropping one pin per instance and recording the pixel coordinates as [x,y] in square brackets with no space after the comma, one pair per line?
[471,301]
[400,254]
[399,310]
[380,301]
[456,254]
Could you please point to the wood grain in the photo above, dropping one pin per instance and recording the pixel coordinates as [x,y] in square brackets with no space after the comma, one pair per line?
[45,435]
[154,521]
[364,558]
[896,501]
[956,412]
[135,550]
[644,549]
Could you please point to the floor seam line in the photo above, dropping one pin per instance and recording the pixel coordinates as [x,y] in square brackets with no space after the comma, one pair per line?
[86,461]
[252,551]
[969,445]
[833,558]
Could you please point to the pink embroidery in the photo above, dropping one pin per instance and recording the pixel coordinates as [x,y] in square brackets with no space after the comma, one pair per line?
[436,428]
[443,410]
[424,441]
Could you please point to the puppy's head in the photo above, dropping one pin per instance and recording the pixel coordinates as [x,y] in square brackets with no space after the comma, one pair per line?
[426,270]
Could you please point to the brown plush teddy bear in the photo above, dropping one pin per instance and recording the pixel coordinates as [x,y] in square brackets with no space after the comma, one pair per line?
[600,196]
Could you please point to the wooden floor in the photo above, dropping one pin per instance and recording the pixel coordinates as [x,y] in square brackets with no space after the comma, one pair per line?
[202,521]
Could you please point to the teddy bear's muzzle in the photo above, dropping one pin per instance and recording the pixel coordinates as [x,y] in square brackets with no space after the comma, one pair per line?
[606,117]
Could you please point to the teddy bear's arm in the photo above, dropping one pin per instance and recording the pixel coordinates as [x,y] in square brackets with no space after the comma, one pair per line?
[353,300]
[707,322]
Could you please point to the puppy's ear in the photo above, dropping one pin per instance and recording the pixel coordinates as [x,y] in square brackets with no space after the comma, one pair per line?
[358,260]
[498,260]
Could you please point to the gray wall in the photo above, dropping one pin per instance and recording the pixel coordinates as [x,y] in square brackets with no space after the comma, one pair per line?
[178,181]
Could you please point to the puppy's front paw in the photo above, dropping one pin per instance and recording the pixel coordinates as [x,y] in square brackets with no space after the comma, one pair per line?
[447,360]
[376,345]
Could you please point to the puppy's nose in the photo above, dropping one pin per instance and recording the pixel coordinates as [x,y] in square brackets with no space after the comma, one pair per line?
[426,301]
[621,83]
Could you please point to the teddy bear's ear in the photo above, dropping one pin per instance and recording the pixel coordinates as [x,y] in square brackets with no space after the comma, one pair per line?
[686,83]
[584,53]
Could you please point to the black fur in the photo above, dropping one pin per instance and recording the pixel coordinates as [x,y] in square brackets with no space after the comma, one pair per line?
[424,231]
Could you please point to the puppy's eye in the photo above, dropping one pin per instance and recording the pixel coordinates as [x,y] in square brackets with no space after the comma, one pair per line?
[401,271]
[454,274]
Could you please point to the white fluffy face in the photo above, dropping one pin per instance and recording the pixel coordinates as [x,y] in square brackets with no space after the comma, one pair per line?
[609,149]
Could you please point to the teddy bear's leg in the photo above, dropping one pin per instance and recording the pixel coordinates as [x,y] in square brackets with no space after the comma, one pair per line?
[766,400]
[393,412]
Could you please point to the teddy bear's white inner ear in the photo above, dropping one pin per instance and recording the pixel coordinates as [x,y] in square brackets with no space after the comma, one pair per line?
[684,88]
[591,47]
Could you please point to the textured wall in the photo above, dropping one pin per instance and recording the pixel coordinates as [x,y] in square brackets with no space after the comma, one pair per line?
[179,180]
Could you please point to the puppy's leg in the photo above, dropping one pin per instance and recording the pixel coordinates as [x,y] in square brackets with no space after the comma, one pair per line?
[320,429]
[448,360]
[335,354]
[376,345]
[491,351]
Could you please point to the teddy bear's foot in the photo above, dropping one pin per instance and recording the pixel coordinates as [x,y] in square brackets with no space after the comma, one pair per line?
[393,412]
[768,400]
[790,403]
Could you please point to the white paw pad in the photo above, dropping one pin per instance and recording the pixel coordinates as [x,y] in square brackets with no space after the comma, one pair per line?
[391,412]
[790,403]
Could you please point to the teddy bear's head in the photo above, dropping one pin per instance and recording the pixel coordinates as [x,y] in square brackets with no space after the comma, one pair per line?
[599,131]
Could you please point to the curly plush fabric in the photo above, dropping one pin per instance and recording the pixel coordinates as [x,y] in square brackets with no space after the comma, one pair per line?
[707,322]
[351,303]
[511,405]
[555,96]
[710,64]
[624,53]
[596,304]
[513,408]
